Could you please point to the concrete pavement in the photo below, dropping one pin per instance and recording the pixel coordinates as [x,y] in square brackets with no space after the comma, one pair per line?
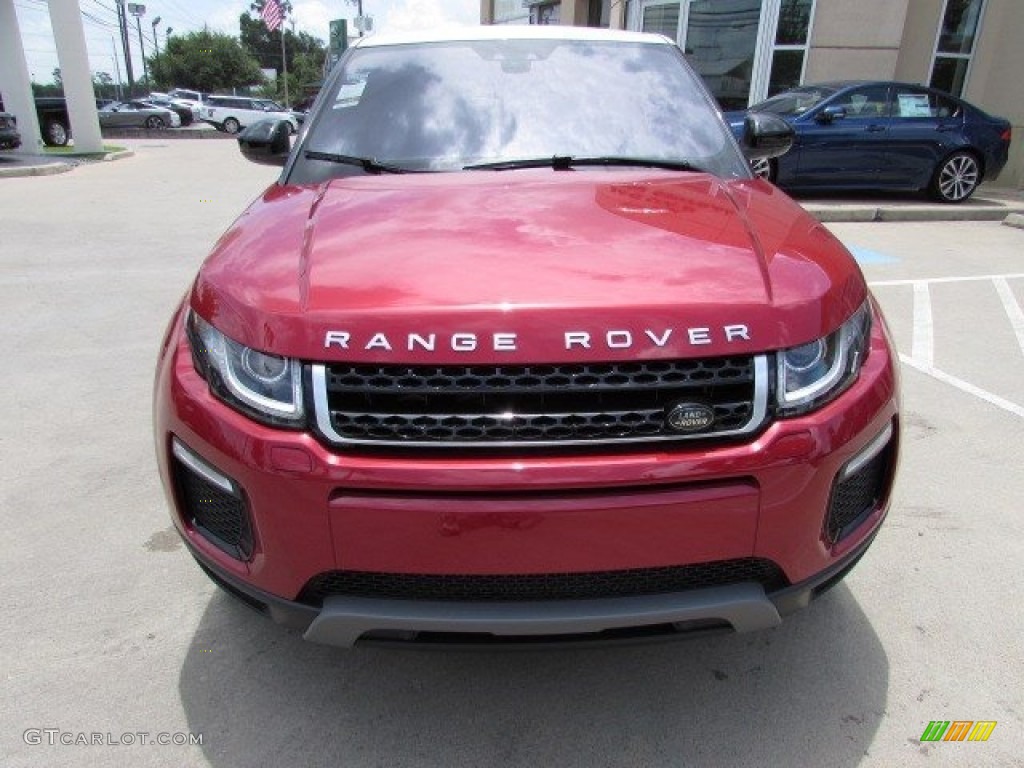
[110,629]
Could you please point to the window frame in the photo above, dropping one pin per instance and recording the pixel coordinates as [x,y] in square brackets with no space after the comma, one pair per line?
[968,57]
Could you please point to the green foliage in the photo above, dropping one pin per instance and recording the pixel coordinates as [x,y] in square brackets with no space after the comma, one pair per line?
[204,61]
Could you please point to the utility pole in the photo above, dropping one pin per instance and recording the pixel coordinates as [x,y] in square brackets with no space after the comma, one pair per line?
[122,22]
[138,11]
[117,70]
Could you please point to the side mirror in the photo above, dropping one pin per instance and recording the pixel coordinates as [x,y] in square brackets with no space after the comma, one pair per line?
[830,115]
[765,135]
[267,142]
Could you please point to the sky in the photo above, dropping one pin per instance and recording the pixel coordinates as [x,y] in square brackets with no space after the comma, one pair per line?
[99,19]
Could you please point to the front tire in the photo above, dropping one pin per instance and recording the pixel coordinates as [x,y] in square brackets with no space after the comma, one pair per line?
[956,178]
[154,123]
[231,125]
[55,134]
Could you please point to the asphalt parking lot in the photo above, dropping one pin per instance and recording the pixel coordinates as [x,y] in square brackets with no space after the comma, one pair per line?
[111,629]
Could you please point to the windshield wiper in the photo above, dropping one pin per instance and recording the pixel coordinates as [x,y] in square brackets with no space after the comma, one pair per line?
[368,164]
[567,162]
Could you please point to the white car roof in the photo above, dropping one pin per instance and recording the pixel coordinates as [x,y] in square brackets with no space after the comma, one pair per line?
[467,33]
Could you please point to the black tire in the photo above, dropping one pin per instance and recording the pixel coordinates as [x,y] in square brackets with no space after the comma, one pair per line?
[55,133]
[956,178]
[186,119]
[231,125]
[155,123]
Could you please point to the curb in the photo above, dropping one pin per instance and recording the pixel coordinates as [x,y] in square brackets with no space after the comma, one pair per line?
[119,155]
[47,169]
[987,211]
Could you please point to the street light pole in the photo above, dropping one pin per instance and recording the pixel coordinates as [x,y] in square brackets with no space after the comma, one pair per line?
[156,40]
[138,11]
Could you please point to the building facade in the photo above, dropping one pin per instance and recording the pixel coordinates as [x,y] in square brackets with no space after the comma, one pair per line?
[747,50]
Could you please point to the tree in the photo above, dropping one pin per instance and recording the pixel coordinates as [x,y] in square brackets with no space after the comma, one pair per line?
[103,85]
[306,53]
[204,61]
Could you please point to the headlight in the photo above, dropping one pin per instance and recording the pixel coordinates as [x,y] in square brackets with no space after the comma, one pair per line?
[814,373]
[266,387]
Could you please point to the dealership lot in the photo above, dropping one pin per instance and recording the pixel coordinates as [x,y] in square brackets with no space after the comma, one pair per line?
[112,630]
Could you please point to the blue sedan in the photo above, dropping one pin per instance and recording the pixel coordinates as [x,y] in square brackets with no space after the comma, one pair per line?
[883,135]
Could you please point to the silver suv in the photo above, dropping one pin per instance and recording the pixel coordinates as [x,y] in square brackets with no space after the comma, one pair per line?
[233,113]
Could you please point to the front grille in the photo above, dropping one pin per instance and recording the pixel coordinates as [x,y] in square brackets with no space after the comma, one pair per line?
[476,405]
[547,586]
[856,496]
[219,516]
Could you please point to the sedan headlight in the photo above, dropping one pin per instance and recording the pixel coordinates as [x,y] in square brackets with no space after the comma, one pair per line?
[812,374]
[264,386]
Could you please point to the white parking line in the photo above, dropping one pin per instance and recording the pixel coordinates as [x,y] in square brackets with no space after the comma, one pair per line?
[964,386]
[930,280]
[1012,308]
[922,348]
[922,345]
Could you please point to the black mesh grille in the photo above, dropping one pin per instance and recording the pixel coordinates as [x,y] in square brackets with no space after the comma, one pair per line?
[857,495]
[549,586]
[218,515]
[480,405]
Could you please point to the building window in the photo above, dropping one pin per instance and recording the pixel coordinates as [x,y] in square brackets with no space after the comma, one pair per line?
[511,12]
[789,53]
[545,13]
[661,19]
[955,44]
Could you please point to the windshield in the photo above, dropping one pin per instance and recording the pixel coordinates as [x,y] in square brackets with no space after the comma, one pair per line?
[794,102]
[443,106]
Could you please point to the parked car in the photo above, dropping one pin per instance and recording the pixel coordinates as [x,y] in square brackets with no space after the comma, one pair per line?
[884,135]
[194,98]
[137,114]
[9,136]
[233,113]
[187,113]
[516,347]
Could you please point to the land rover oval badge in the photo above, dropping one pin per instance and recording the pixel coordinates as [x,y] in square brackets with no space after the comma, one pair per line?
[689,417]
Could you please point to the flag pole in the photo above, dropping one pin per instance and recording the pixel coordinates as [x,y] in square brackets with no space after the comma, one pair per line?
[284,67]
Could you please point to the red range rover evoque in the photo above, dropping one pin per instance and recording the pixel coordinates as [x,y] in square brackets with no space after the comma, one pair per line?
[517,350]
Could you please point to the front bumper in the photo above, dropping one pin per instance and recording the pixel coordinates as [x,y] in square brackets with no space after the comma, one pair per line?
[313,511]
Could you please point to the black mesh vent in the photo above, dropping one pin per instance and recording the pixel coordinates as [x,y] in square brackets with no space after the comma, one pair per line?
[856,496]
[221,517]
[480,405]
[549,586]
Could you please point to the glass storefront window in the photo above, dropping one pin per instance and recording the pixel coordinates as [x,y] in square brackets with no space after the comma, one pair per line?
[661,19]
[949,74]
[959,26]
[961,21]
[721,38]
[794,22]
[787,67]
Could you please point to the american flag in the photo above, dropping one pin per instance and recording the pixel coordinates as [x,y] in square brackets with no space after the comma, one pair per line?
[272,14]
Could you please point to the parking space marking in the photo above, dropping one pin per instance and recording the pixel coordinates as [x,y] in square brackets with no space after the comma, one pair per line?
[964,386]
[934,280]
[1012,308]
[922,351]
[922,348]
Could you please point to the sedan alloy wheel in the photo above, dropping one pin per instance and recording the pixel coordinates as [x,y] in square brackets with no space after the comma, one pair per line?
[956,178]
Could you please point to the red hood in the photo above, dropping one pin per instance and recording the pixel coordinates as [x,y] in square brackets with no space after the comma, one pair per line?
[621,256]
